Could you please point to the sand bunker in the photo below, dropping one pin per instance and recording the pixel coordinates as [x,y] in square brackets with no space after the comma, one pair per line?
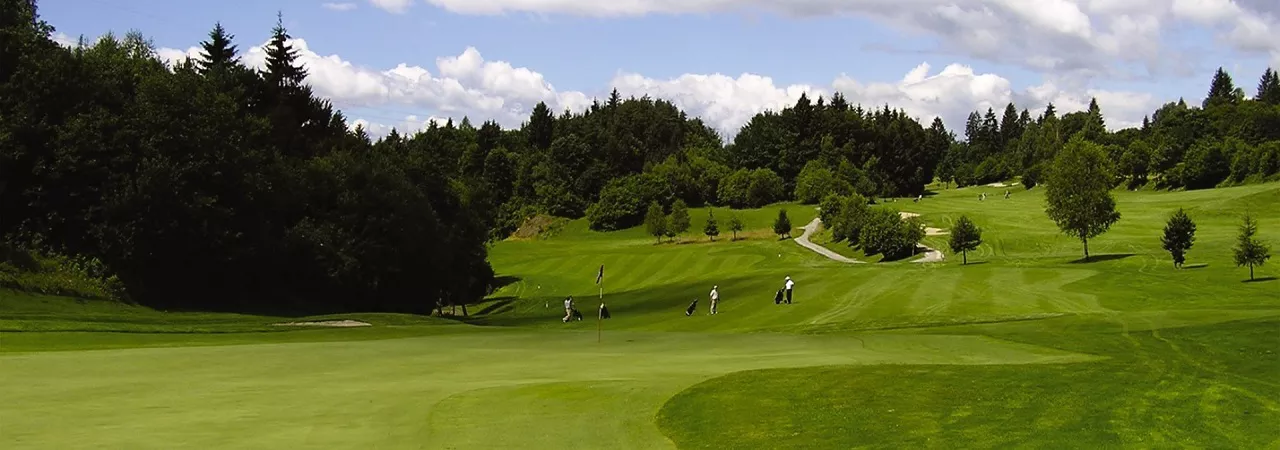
[327,323]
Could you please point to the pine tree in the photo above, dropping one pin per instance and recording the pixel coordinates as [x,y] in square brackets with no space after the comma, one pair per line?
[782,225]
[735,225]
[1179,236]
[1095,126]
[1269,88]
[1049,112]
[1009,127]
[1222,90]
[1250,251]
[283,69]
[965,236]
[218,52]
[541,127]
[711,229]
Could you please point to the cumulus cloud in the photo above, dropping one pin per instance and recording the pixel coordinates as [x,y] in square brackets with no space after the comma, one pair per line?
[1076,38]
[339,6]
[408,97]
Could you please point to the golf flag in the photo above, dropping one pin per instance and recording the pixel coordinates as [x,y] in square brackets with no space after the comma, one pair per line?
[600,275]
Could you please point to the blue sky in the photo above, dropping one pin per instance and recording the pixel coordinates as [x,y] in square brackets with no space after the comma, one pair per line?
[577,49]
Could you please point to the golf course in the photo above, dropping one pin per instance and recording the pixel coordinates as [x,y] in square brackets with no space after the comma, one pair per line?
[1028,345]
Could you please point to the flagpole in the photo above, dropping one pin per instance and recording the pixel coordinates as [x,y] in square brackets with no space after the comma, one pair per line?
[600,310]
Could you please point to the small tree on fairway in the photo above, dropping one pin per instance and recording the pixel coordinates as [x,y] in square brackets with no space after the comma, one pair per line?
[679,222]
[965,236]
[711,229]
[655,221]
[782,225]
[1079,192]
[1179,235]
[735,225]
[1250,251]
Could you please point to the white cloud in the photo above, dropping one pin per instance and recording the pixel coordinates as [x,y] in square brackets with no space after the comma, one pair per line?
[392,6]
[408,97]
[1081,38]
[65,41]
[339,6]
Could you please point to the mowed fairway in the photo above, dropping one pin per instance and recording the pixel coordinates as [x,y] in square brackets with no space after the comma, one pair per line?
[1024,347]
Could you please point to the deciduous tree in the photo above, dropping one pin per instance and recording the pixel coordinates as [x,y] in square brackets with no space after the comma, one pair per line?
[1179,236]
[1079,192]
[965,236]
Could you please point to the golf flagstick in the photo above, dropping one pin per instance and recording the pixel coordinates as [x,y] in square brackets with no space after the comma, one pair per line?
[600,310]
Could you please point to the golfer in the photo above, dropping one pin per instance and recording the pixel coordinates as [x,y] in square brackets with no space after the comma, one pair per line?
[568,309]
[715,298]
[790,284]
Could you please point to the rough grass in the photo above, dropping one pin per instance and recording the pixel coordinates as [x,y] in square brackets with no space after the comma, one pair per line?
[1028,347]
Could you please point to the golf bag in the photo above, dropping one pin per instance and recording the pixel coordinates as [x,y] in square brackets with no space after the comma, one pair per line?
[777,298]
[577,315]
[604,312]
[692,307]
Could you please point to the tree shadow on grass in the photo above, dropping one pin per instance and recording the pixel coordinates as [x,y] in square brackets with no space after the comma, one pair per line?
[503,281]
[498,305]
[1260,280]
[975,263]
[1102,258]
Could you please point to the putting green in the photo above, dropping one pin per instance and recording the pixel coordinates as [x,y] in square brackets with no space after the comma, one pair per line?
[1028,347]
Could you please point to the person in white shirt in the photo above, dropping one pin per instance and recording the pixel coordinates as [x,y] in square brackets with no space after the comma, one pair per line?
[715,298]
[790,284]
[568,309]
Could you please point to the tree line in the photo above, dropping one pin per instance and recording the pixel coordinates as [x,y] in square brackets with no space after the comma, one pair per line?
[210,184]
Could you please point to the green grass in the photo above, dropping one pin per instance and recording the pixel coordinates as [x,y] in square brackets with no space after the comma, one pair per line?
[1024,347]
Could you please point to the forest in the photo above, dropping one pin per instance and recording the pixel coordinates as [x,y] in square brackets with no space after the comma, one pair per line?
[212,185]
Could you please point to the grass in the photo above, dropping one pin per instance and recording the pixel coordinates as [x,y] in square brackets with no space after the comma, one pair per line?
[1027,348]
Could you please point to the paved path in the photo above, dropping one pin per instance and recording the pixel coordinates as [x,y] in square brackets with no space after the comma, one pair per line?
[930,255]
[803,240]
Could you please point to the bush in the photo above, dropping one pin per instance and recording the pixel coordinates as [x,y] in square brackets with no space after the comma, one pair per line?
[765,187]
[885,233]
[623,201]
[817,181]
[56,274]
[847,225]
[733,189]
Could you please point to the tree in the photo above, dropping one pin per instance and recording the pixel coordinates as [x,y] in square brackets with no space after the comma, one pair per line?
[965,236]
[1249,251]
[218,52]
[1269,88]
[679,221]
[1179,235]
[711,229]
[282,68]
[782,225]
[1221,91]
[1079,192]
[655,222]
[735,225]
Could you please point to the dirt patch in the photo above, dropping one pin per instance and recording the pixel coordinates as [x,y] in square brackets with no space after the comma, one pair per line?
[541,226]
[326,323]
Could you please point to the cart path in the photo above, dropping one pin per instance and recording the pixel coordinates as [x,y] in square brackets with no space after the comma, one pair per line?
[803,240]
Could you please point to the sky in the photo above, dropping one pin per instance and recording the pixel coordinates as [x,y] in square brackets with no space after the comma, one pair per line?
[402,63]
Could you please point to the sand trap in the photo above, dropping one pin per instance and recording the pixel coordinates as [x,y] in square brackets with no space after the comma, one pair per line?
[327,323]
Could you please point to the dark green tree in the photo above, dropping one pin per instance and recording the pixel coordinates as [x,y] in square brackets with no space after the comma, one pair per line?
[1222,90]
[217,53]
[1269,88]
[782,225]
[965,236]
[283,69]
[1079,192]
[1249,250]
[1179,236]
[541,127]
[711,229]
